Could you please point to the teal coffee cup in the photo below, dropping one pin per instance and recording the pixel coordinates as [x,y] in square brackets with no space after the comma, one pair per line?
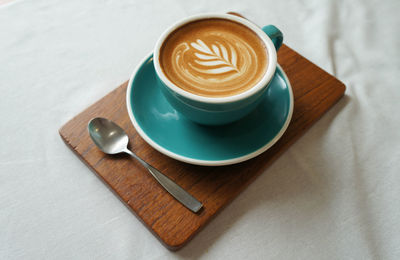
[216,110]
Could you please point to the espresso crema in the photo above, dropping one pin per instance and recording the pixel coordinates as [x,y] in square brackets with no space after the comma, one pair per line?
[214,58]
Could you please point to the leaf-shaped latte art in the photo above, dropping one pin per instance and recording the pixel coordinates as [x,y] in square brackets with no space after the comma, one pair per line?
[216,57]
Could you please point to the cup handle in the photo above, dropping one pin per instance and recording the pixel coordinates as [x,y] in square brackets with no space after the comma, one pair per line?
[275,34]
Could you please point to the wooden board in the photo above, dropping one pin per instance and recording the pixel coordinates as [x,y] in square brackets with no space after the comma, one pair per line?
[315,91]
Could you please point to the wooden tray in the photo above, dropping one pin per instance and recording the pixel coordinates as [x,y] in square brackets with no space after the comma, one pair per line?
[315,91]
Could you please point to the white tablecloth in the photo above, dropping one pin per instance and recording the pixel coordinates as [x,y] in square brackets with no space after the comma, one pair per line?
[333,195]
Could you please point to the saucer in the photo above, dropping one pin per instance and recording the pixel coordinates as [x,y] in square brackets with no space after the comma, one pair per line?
[169,132]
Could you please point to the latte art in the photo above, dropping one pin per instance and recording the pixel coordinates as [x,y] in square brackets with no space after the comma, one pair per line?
[214,57]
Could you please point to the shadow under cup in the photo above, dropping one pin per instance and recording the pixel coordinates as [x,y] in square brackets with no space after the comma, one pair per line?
[219,110]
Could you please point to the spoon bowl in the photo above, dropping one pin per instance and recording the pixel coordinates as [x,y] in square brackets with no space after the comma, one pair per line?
[107,135]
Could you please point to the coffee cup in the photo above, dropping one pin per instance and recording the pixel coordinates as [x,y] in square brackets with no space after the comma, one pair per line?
[215,68]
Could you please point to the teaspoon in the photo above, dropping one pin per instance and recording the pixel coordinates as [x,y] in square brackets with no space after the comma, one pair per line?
[112,139]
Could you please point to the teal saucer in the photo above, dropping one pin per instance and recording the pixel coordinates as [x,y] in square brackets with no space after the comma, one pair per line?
[169,132]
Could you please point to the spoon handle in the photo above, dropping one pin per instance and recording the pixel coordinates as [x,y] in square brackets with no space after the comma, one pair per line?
[174,189]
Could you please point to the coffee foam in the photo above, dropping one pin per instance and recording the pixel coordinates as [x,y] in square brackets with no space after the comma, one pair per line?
[214,58]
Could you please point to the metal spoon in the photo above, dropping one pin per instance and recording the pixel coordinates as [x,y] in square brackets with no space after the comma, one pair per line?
[112,139]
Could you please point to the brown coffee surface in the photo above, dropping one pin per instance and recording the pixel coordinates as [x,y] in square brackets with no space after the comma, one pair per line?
[214,58]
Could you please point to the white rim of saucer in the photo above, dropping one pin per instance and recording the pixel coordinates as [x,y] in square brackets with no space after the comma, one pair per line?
[272,59]
[206,162]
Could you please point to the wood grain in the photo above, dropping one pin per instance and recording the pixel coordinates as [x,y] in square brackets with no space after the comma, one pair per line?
[315,91]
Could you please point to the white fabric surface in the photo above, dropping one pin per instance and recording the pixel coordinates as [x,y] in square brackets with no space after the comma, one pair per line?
[333,195]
